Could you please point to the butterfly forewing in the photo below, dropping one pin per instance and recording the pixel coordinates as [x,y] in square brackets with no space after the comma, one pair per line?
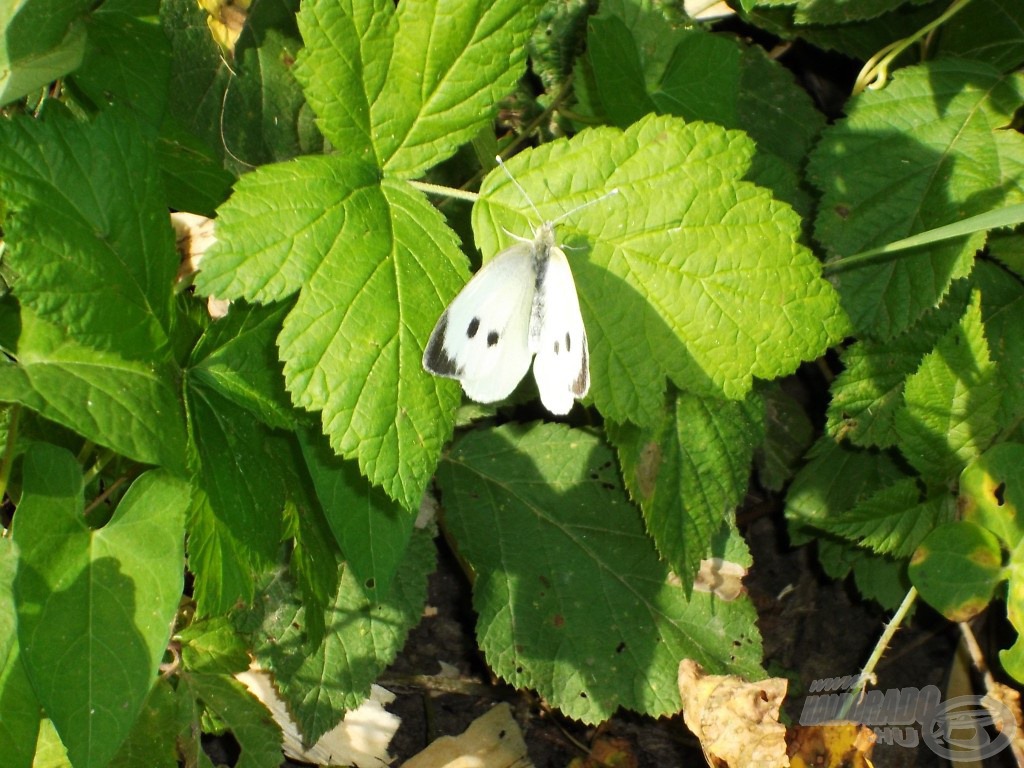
[482,339]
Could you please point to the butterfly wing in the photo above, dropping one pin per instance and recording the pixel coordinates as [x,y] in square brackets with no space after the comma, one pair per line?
[482,339]
[562,366]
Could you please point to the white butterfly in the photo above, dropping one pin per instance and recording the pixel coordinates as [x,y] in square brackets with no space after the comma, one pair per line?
[521,304]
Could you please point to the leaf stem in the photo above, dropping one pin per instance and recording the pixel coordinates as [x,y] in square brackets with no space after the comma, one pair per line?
[868,670]
[437,189]
[102,459]
[875,72]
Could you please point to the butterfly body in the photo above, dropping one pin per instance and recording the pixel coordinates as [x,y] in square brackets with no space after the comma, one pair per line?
[521,306]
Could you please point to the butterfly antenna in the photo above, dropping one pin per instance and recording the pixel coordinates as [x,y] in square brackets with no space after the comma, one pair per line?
[519,187]
[587,204]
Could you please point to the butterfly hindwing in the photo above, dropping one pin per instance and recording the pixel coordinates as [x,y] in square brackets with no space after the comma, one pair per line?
[562,365]
[482,339]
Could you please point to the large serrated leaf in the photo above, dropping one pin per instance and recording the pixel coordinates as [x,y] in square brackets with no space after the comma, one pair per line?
[405,88]
[868,392]
[689,271]
[95,606]
[892,521]
[836,477]
[951,402]
[689,473]
[572,597]
[928,150]
[374,260]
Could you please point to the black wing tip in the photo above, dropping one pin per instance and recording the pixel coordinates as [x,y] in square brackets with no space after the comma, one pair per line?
[435,359]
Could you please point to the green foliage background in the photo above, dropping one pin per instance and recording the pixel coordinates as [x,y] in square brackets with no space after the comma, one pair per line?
[279,456]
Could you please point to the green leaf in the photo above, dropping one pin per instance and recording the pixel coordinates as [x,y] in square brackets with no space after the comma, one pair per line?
[1012,659]
[836,11]
[637,62]
[127,405]
[363,637]
[709,285]
[235,520]
[988,30]
[892,521]
[992,492]
[251,724]
[689,473]
[19,709]
[868,392]
[127,62]
[857,39]
[1002,306]
[835,478]
[87,230]
[572,597]
[194,178]
[881,578]
[95,606]
[314,559]
[404,89]
[377,261]
[40,41]
[213,647]
[788,435]
[924,152]
[236,358]
[153,740]
[957,568]
[372,531]
[951,402]
[249,111]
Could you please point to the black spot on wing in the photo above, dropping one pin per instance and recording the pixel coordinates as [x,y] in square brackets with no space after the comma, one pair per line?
[556,346]
[435,359]
[568,342]
[492,338]
[474,326]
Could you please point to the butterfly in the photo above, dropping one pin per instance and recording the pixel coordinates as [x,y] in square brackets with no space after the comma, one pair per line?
[521,306]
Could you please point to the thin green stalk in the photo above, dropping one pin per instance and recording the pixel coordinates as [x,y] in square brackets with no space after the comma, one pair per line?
[875,73]
[868,671]
[437,189]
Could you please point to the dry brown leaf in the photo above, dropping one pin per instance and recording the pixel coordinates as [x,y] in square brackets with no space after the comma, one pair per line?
[736,721]
[493,740]
[842,745]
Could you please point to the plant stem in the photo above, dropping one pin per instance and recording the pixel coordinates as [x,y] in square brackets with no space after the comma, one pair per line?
[875,73]
[437,189]
[876,655]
